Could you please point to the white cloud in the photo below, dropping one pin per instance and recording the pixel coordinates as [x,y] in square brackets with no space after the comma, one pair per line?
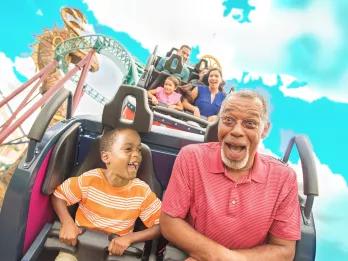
[255,46]
[307,92]
[9,83]
[25,66]
[331,206]
[39,12]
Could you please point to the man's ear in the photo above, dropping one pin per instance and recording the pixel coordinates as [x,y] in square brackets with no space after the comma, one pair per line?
[105,157]
[266,129]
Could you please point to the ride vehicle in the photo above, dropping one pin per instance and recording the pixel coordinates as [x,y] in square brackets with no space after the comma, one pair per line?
[70,147]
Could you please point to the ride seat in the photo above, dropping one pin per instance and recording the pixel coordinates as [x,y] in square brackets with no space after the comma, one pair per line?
[62,163]
[172,66]
[211,133]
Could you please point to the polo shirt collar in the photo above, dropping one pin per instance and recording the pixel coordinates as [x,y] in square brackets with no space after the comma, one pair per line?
[259,172]
[215,165]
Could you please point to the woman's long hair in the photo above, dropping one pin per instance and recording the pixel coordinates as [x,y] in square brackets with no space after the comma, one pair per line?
[206,76]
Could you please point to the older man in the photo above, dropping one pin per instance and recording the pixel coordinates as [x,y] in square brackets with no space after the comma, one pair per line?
[184,51]
[226,201]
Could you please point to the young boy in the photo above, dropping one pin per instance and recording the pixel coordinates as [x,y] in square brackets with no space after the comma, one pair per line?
[110,199]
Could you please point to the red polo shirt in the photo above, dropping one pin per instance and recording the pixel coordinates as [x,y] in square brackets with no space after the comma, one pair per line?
[236,215]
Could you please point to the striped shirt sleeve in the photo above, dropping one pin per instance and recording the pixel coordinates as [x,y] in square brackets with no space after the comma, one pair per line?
[150,209]
[70,190]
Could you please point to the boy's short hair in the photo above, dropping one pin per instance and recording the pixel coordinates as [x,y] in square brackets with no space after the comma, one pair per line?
[108,138]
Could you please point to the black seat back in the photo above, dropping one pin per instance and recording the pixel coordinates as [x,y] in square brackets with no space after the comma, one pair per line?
[211,133]
[62,160]
[63,163]
[173,65]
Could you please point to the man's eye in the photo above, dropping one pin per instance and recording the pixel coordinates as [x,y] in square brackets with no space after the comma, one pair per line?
[250,124]
[229,120]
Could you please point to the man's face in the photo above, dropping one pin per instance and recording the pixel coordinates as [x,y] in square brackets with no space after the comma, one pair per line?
[184,52]
[124,159]
[241,128]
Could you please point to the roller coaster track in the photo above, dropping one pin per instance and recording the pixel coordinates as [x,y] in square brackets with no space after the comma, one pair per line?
[130,68]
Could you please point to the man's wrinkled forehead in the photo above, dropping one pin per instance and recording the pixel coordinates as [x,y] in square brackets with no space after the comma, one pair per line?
[252,106]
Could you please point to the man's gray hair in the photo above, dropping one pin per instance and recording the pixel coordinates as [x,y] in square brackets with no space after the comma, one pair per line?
[249,94]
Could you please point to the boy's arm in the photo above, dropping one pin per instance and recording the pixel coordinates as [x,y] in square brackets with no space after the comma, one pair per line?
[69,230]
[119,244]
[144,235]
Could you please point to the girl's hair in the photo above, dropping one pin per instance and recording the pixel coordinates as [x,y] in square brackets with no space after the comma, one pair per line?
[206,76]
[174,80]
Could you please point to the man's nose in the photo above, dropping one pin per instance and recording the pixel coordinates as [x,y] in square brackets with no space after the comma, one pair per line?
[237,129]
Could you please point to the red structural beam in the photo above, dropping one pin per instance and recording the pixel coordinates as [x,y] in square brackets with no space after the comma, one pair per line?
[85,62]
[40,74]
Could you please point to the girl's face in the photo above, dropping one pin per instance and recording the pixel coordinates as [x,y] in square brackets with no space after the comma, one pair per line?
[169,87]
[214,79]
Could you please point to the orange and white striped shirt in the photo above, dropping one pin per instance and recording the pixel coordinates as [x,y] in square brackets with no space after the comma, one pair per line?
[107,208]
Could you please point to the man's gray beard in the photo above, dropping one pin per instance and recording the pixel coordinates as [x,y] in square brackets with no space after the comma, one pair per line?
[235,164]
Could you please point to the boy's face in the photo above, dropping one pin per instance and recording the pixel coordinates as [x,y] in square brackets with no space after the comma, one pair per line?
[124,159]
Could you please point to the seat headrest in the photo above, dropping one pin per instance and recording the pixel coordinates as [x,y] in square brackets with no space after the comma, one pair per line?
[174,64]
[203,63]
[112,113]
[211,133]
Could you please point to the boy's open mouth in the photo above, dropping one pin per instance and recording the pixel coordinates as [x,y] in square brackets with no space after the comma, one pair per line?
[133,165]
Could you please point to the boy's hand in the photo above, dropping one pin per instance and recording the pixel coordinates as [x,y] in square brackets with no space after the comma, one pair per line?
[154,100]
[118,245]
[69,232]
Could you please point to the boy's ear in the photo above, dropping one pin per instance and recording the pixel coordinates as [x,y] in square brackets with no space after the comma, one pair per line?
[105,157]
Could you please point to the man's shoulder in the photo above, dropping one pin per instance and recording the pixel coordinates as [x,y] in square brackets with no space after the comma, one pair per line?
[277,166]
[201,149]
[202,146]
[272,160]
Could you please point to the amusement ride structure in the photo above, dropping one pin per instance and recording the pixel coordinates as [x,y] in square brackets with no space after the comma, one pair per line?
[69,146]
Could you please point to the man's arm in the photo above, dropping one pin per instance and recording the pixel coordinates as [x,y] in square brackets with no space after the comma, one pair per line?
[196,245]
[275,249]
[160,64]
[185,74]
[201,248]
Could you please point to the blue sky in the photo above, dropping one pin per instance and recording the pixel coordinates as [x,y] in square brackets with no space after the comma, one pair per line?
[295,51]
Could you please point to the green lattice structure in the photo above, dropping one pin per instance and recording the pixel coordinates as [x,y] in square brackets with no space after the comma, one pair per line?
[130,68]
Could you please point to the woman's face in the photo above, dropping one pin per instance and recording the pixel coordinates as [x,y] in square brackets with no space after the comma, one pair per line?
[214,79]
